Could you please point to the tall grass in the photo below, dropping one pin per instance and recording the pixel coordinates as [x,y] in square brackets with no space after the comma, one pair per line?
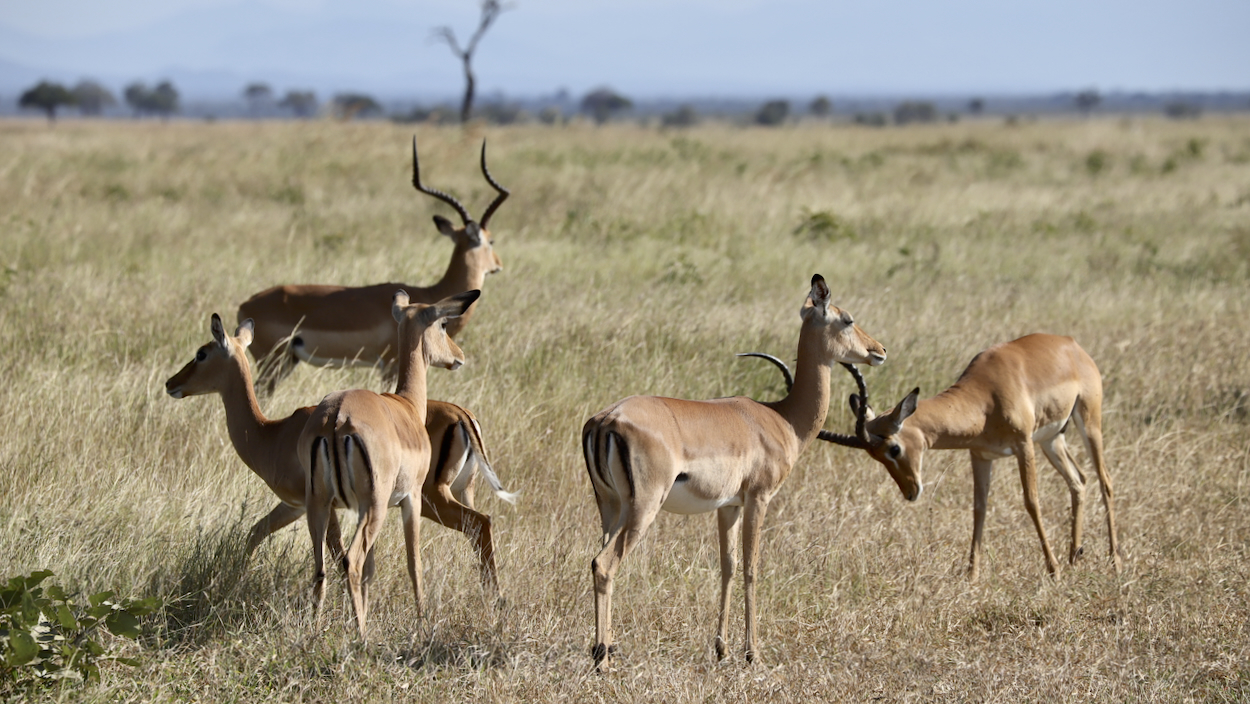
[639,261]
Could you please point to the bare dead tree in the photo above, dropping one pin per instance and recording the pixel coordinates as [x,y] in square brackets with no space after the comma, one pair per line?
[491,9]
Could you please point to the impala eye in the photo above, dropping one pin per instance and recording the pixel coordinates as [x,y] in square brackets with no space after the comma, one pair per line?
[201,355]
[895,451]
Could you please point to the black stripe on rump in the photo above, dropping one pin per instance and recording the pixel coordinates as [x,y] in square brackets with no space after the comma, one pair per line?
[364,455]
[681,477]
[623,449]
[444,450]
[339,461]
[601,458]
[318,444]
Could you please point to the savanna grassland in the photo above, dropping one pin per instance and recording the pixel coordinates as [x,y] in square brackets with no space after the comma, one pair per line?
[638,261]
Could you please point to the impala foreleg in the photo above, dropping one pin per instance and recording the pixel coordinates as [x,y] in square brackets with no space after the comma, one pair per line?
[442,508]
[280,517]
[1028,481]
[752,527]
[728,521]
[982,473]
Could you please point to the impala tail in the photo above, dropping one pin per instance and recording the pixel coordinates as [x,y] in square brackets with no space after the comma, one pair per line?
[478,449]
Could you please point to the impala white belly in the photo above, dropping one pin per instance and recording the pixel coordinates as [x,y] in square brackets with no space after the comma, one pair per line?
[684,501]
[327,348]
[1043,434]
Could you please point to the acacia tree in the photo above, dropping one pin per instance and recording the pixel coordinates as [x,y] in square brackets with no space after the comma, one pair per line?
[92,97]
[491,9]
[46,96]
[258,95]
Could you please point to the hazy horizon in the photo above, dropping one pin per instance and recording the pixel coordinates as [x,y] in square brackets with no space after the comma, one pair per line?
[647,49]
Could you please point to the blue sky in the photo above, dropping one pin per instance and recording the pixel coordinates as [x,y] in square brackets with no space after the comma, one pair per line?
[646,48]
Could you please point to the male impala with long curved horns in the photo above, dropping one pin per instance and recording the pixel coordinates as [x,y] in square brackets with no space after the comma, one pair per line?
[351,326]
[1010,396]
[728,455]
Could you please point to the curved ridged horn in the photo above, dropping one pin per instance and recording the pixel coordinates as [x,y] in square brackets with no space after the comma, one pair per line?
[860,439]
[499,199]
[785,371]
[416,183]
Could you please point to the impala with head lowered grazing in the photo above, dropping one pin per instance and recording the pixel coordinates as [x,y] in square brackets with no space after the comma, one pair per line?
[729,455]
[341,326]
[1010,396]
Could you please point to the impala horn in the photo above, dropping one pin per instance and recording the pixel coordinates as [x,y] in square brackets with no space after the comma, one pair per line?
[499,199]
[860,439]
[416,183]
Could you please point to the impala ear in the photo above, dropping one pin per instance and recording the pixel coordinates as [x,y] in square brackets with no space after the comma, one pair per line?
[219,332]
[245,332]
[398,303]
[450,307]
[903,411]
[819,296]
[444,226]
[853,401]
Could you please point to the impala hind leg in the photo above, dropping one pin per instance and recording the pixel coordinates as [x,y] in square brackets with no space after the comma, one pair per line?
[319,514]
[1089,422]
[359,554]
[626,536]
[728,520]
[1056,450]
[412,549]
[442,508]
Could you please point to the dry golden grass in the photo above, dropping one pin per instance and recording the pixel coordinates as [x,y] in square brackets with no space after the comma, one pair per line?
[638,261]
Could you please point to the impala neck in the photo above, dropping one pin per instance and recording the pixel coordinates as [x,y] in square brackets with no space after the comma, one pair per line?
[412,372]
[458,278]
[247,426]
[954,419]
[807,404]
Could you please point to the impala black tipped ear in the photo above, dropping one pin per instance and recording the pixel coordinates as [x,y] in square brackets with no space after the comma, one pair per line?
[462,301]
[245,332]
[219,332]
[903,411]
[444,225]
[854,403]
[820,291]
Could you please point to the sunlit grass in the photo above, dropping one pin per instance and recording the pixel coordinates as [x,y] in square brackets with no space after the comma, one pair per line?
[639,261]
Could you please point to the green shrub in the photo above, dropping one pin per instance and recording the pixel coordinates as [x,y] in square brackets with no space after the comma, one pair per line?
[825,225]
[45,635]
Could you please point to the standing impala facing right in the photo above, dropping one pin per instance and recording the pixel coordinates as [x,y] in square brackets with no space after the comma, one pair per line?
[729,455]
[342,326]
[1010,395]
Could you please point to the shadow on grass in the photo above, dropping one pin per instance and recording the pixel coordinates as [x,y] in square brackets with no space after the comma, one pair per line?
[210,589]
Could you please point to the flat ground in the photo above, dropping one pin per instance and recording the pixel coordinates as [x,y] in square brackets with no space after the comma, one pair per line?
[639,261]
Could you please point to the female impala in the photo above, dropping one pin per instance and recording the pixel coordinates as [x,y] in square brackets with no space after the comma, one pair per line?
[367,452]
[728,455]
[1009,397]
[339,325]
[268,448]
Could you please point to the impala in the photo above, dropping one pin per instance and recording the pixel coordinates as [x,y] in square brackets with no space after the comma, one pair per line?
[268,448]
[367,452]
[345,326]
[730,455]
[1010,396]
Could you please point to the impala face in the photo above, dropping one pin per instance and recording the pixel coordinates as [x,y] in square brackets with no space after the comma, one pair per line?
[204,374]
[423,321]
[475,242]
[842,340]
[897,446]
